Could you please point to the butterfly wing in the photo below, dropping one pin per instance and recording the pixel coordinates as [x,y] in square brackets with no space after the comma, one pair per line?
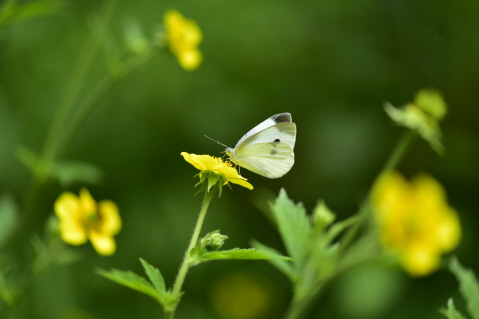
[280,121]
[272,160]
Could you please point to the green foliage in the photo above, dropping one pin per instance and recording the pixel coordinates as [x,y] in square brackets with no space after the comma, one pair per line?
[468,286]
[12,11]
[309,243]
[154,288]
[65,172]
[8,216]
[451,312]
[236,253]
[294,227]
[155,277]
[422,116]
[131,280]
[208,247]
[7,291]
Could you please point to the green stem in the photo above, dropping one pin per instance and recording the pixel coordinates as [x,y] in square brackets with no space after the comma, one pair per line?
[393,161]
[58,128]
[72,91]
[98,93]
[180,278]
[298,308]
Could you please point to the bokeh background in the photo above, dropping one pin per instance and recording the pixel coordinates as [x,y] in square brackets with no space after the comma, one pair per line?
[331,64]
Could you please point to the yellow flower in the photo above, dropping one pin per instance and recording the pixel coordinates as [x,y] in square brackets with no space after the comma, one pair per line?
[415,222]
[219,170]
[82,218]
[183,36]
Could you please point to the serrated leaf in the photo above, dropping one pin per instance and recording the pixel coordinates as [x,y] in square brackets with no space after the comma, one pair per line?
[451,311]
[131,280]
[8,216]
[277,260]
[236,253]
[294,227]
[468,286]
[155,277]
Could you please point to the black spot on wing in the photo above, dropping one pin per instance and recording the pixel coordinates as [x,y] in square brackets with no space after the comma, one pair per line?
[277,140]
[273,152]
[282,118]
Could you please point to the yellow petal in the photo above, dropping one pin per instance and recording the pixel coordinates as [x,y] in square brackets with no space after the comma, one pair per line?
[241,182]
[190,59]
[87,202]
[103,244]
[67,206]
[449,231]
[110,218]
[420,261]
[201,162]
[72,232]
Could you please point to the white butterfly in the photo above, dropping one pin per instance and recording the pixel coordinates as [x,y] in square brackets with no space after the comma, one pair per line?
[267,149]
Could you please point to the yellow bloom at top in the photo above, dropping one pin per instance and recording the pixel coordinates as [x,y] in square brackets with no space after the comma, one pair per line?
[220,170]
[184,37]
[415,222]
[82,218]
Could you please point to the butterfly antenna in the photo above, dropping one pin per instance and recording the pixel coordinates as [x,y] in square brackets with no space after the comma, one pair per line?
[215,141]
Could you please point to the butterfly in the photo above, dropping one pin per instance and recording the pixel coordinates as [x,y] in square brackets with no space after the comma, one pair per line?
[267,149]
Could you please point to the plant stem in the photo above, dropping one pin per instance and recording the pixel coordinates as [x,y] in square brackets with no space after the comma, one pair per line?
[298,308]
[180,278]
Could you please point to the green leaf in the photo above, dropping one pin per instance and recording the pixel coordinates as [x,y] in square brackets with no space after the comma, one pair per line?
[294,227]
[468,286]
[414,118]
[339,227]
[451,311]
[8,217]
[236,253]
[131,280]
[155,277]
[322,216]
[70,172]
[29,158]
[65,172]
[275,258]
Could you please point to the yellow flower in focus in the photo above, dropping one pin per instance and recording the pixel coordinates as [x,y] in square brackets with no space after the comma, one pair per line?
[184,37]
[415,222]
[222,170]
[82,218]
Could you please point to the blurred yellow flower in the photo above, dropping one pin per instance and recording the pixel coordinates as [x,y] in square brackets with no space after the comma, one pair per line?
[415,222]
[82,218]
[183,37]
[242,296]
[206,163]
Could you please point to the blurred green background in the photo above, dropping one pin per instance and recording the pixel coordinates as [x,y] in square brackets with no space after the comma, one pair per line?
[331,64]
